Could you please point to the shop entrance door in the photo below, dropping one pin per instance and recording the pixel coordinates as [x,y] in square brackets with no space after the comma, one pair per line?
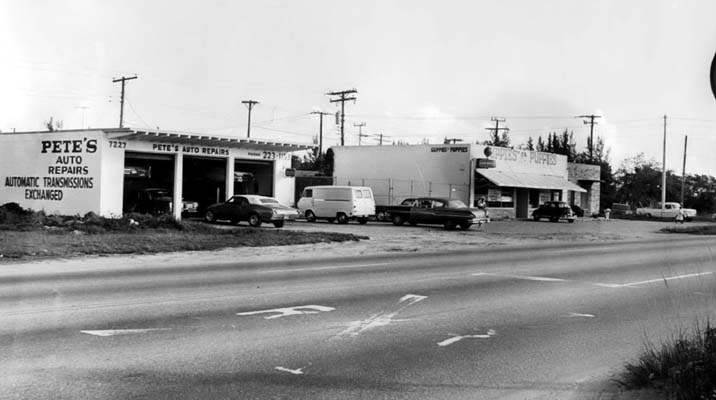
[523,203]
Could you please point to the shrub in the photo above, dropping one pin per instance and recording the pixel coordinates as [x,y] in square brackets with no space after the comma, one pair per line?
[684,367]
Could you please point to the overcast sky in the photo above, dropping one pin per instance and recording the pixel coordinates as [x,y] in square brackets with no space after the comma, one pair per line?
[423,69]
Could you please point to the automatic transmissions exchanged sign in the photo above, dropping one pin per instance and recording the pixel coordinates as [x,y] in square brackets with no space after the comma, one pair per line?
[59,174]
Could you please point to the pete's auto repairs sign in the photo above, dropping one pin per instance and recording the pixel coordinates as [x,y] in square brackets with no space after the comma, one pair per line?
[56,172]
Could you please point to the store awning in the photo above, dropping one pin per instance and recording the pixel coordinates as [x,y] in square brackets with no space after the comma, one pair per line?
[531,181]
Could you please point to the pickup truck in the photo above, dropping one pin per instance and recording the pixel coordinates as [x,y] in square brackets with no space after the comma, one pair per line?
[671,209]
[432,210]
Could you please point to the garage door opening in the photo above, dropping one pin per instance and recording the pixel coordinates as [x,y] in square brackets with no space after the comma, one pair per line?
[148,183]
[253,177]
[204,181]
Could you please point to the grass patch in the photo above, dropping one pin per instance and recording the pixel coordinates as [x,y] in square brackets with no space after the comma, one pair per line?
[28,234]
[691,229]
[683,367]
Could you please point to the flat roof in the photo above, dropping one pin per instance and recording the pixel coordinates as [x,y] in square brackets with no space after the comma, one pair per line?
[151,135]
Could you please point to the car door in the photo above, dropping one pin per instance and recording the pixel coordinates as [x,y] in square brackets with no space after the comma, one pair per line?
[241,208]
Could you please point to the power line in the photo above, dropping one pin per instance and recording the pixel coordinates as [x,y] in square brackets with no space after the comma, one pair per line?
[121,106]
[343,96]
[496,130]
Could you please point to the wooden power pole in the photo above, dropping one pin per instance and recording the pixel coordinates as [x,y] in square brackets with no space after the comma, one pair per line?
[249,104]
[343,96]
[121,100]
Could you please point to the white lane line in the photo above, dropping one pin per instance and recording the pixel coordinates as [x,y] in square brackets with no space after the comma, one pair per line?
[279,271]
[574,315]
[663,279]
[284,312]
[529,278]
[457,338]
[291,371]
[383,318]
[116,332]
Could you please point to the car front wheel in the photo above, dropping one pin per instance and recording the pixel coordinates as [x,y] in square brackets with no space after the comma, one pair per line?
[535,217]
[310,216]
[210,217]
[255,220]
[398,220]
[464,225]
[449,225]
[342,218]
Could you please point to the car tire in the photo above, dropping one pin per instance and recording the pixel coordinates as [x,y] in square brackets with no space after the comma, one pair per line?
[380,216]
[449,225]
[310,216]
[342,218]
[464,225]
[363,221]
[571,221]
[210,217]
[535,217]
[398,220]
[331,220]
[255,220]
[234,220]
[412,223]
[553,219]
[278,224]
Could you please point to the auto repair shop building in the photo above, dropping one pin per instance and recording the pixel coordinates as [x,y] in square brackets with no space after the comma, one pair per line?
[78,171]
[513,181]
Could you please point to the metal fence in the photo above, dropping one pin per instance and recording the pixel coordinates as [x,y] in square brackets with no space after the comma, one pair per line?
[393,191]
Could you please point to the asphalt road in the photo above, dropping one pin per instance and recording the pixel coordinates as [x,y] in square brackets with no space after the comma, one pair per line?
[510,323]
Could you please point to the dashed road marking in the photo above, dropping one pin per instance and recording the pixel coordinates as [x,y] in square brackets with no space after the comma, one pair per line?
[117,332]
[284,312]
[529,278]
[575,315]
[663,279]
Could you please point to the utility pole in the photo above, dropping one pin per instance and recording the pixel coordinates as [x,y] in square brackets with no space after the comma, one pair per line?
[83,108]
[663,168]
[360,131]
[249,104]
[453,140]
[683,171]
[320,131]
[343,96]
[380,138]
[496,130]
[591,123]
[121,101]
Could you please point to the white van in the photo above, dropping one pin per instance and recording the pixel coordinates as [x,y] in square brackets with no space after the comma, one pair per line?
[337,203]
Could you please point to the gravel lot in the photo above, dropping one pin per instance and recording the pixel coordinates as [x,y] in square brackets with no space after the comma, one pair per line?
[384,238]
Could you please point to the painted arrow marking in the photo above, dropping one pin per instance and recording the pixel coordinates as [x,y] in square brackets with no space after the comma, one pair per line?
[384,318]
[117,332]
[291,371]
[456,338]
[284,312]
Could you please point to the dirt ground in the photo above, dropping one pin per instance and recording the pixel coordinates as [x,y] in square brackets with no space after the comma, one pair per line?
[384,238]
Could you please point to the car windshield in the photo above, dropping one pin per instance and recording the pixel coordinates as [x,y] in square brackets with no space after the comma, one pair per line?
[456,204]
[564,205]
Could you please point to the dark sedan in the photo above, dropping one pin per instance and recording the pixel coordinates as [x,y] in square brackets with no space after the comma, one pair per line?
[432,210]
[252,208]
[554,211]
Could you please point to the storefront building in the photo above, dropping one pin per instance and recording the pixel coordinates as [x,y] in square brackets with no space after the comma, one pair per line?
[513,181]
[106,170]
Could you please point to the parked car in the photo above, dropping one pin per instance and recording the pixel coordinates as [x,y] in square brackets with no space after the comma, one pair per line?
[156,201]
[434,210]
[554,211]
[252,208]
[577,210]
[670,211]
[337,203]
